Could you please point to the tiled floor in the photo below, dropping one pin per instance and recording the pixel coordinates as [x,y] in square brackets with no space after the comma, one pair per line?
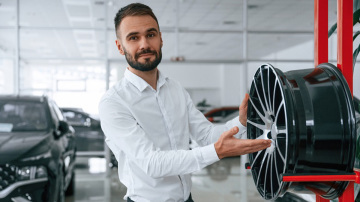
[221,182]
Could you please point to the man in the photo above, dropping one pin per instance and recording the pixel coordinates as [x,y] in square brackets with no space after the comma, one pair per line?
[148,119]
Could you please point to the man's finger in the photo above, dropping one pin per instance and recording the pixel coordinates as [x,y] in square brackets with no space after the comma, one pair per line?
[257,143]
[232,131]
[244,103]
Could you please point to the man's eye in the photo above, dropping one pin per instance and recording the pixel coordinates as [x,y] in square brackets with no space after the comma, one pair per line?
[151,35]
[133,38]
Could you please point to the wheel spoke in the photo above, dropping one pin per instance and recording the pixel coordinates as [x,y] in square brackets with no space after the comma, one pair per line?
[269,90]
[257,155]
[261,136]
[276,169]
[271,174]
[273,107]
[257,111]
[278,111]
[266,171]
[262,163]
[278,149]
[262,104]
[262,83]
[259,126]
[282,131]
[281,136]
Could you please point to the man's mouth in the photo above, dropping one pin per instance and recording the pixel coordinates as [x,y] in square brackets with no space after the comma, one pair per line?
[146,55]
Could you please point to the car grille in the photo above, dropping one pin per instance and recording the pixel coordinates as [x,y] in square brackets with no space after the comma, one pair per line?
[7,176]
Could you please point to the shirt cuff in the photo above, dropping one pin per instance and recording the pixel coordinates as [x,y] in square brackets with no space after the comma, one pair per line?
[209,154]
[235,122]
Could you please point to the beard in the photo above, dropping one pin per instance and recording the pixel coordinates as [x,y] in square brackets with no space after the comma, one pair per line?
[148,65]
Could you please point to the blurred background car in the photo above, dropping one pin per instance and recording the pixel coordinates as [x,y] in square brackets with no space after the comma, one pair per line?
[89,136]
[37,149]
[216,115]
[90,139]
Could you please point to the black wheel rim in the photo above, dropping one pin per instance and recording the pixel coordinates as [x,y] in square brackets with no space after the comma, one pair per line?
[267,120]
[296,110]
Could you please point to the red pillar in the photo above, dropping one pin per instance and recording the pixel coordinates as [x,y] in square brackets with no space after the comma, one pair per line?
[345,43]
[320,199]
[348,194]
[321,31]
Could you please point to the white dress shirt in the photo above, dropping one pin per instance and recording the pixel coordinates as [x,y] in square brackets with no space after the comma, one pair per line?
[148,131]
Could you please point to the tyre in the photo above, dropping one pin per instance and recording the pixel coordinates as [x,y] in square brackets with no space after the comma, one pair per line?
[60,187]
[70,190]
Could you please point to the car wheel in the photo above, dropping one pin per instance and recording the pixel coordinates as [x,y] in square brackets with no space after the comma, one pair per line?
[60,191]
[71,188]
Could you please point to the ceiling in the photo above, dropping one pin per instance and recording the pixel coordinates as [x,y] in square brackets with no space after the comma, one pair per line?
[209,30]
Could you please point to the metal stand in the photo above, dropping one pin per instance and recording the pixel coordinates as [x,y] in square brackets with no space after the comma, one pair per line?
[344,20]
[348,194]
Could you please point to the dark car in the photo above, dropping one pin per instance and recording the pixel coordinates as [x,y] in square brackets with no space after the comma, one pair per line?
[89,136]
[90,139]
[37,150]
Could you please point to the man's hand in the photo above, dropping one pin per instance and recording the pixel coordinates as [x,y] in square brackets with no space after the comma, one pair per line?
[227,145]
[243,110]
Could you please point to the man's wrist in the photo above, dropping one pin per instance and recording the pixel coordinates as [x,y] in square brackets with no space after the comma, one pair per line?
[217,146]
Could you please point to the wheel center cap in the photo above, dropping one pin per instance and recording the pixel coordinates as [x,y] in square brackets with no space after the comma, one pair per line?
[274,131]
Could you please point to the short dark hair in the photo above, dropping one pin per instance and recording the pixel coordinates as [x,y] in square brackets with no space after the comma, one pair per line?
[134,9]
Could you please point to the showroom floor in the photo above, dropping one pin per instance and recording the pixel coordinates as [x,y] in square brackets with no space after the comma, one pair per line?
[220,182]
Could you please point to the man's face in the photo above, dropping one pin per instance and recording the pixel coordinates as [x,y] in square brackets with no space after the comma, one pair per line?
[139,39]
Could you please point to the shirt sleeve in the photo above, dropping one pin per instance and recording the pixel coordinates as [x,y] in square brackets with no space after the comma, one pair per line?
[203,131]
[121,128]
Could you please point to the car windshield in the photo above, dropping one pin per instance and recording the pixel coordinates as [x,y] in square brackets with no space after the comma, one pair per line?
[22,116]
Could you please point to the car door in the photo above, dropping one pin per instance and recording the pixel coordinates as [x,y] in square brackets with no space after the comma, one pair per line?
[88,134]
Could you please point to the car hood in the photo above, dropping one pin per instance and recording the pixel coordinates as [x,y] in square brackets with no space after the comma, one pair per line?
[14,145]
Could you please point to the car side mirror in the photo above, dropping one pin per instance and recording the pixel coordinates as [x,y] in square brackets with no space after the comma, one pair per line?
[62,129]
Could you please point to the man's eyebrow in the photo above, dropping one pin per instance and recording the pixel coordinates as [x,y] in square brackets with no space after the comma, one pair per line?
[132,33]
[135,33]
[152,30]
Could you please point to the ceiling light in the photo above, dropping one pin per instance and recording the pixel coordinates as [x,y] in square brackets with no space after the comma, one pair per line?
[230,22]
[99,3]
[252,6]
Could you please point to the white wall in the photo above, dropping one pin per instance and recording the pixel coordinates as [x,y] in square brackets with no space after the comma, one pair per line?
[6,76]
[220,85]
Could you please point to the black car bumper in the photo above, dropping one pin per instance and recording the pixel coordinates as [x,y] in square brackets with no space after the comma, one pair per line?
[29,190]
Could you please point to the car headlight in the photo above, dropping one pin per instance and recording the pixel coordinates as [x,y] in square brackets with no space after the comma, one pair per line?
[24,173]
[41,172]
[31,172]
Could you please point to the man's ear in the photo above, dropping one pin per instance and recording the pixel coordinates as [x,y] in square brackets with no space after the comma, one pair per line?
[119,46]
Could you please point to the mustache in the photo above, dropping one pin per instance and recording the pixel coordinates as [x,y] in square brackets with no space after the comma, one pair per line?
[137,55]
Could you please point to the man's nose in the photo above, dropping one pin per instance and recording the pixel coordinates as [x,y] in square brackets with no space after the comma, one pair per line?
[144,43]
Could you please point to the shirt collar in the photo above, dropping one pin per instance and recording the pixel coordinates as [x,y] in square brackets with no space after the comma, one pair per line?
[140,83]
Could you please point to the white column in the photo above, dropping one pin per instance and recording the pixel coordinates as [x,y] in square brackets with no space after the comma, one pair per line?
[244,158]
